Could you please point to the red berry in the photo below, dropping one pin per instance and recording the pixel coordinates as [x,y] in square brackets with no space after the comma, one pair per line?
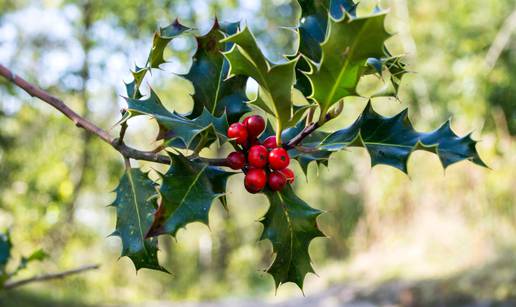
[277,181]
[255,125]
[270,142]
[255,180]
[257,156]
[289,174]
[236,160]
[278,158]
[238,132]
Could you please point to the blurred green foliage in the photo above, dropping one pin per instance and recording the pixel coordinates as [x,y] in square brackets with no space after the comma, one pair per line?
[382,224]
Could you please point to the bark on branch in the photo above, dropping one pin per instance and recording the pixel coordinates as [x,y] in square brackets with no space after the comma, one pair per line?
[18,283]
[81,122]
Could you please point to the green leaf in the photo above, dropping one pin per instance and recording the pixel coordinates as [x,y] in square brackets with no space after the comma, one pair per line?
[161,40]
[312,32]
[213,91]
[314,22]
[290,224]
[177,126]
[5,249]
[396,70]
[275,81]
[350,42]
[135,205]
[133,88]
[38,255]
[391,140]
[188,190]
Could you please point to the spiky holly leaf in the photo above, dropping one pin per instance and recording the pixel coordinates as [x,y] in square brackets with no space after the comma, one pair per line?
[161,40]
[314,21]
[350,42]
[275,80]
[177,126]
[396,70]
[135,205]
[208,74]
[290,224]
[391,140]
[133,87]
[312,32]
[188,190]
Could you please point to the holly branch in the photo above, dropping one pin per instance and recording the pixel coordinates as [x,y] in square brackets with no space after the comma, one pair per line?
[116,142]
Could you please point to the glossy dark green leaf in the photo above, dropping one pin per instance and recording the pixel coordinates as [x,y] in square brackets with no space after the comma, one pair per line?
[314,22]
[395,68]
[208,74]
[350,42]
[290,224]
[176,126]
[391,140]
[133,87]
[312,32]
[188,190]
[135,205]
[161,40]
[275,81]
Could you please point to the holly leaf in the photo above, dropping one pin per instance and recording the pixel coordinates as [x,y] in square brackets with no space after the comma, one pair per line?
[396,70]
[213,91]
[275,80]
[314,22]
[349,43]
[391,140]
[175,126]
[133,88]
[290,224]
[312,32]
[188,190]
[5,249]
[135,205]
[160,41]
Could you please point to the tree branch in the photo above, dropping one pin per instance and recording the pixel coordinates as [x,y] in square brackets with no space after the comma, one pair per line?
[314,126]
[303,134]
[81,122]
[18,283]
[501,40]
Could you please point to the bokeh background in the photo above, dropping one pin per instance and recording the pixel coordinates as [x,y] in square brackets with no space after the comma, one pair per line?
[433,237]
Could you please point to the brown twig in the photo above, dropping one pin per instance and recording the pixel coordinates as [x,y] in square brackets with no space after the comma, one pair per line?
[303,134]
[17,283]
[314,126]
[81,122]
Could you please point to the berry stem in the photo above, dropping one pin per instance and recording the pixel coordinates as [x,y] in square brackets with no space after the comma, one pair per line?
[315,125]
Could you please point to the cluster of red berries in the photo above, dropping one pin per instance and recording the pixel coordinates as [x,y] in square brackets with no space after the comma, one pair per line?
[263,163]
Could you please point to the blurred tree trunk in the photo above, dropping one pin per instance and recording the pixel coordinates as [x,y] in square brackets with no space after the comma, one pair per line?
[85,155]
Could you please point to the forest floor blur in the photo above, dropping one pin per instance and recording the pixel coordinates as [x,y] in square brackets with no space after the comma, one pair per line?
[490,285]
